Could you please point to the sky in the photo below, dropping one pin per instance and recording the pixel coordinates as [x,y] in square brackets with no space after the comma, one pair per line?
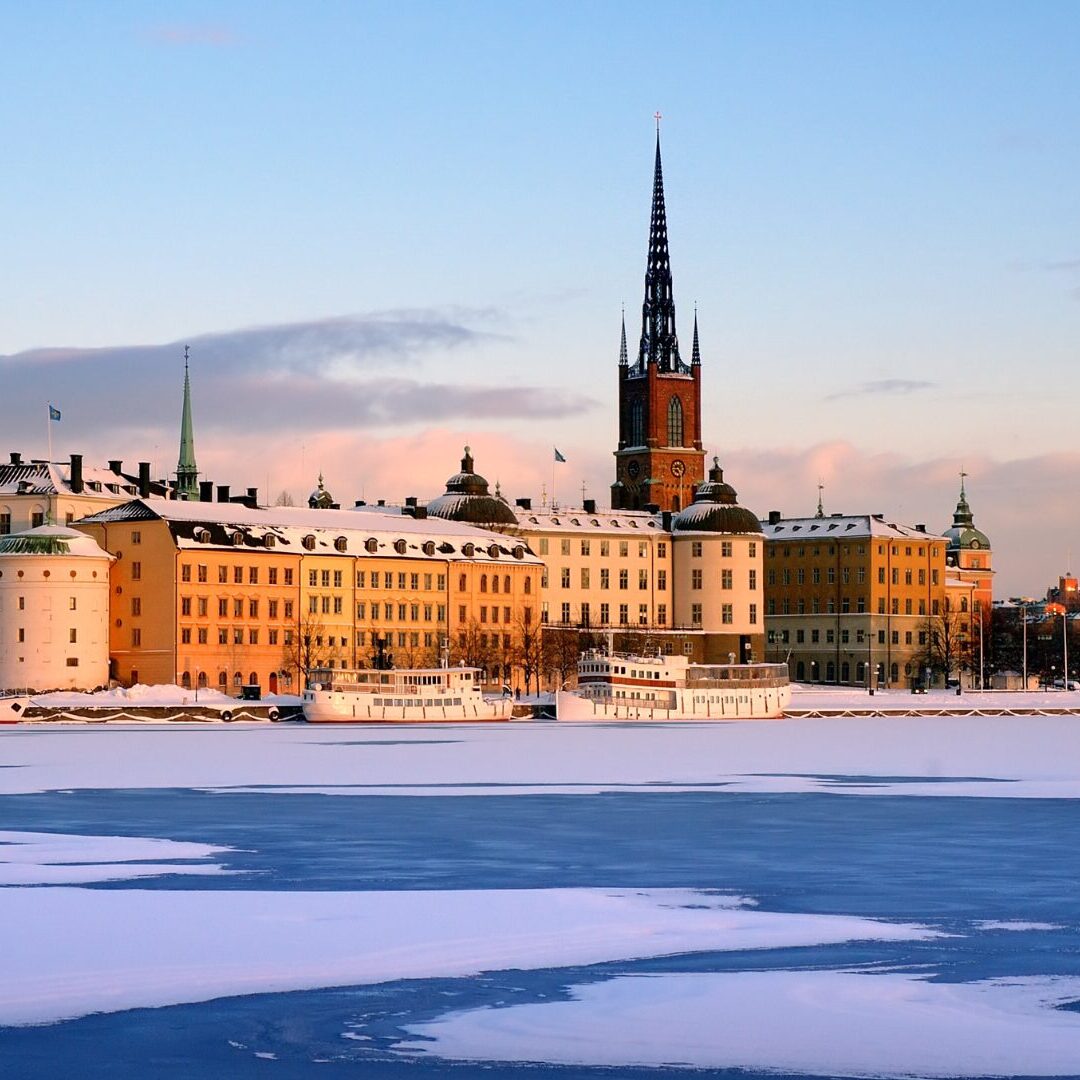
[387,230]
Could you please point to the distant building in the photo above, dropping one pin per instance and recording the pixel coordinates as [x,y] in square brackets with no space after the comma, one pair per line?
[54,611]
[688,583]
[850,598]
[969,559]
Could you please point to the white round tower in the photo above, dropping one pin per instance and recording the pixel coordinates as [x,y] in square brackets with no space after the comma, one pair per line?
[54,611]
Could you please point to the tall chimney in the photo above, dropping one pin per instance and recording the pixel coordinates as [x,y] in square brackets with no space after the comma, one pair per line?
[16,458]
[144,479]
[206,491]
[253,496]
[76,474]
[774,517]
[116,466]
[223,493]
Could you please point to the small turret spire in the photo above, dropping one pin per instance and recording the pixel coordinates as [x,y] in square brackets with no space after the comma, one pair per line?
[187,473]
[963,516]
[623,358]
[820,508]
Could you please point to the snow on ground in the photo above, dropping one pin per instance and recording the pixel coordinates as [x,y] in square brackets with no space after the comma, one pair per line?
[1014,757]
[814,696]
[834,1023]
[37,858]
[63,956]
[170,696]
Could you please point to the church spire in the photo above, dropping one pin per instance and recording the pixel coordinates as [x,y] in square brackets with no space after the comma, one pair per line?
[820,508]
[623,358]
[695,357]
[659,343]
[187,474]
[963,516]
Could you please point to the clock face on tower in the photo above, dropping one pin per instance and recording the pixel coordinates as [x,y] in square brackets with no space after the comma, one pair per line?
[678,468]
[634,468]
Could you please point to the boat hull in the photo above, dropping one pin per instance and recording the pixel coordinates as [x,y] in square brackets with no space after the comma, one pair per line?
[763,704]
[324,709]
[12,709]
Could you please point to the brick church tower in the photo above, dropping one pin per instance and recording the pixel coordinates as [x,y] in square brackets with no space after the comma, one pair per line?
[660,461]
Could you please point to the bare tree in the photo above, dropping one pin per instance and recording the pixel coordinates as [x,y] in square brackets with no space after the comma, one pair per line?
[284,499]
[947,650]
[530,651]
[306,647]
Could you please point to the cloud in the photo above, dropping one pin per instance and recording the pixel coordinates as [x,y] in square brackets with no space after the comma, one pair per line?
[180,34]
[883,386]
[276,384]
[1062,264]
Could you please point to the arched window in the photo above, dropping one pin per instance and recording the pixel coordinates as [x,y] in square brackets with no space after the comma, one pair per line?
[894,673]
[674,422]
[238,680]
[528,586]
[860,672]
[253,679]
[830,672]
[494,582]
[963,603]
[202,680]
[637,423]
[483,582]
[800,670]
[506,583]
[185,680]
[223,679]
[845,672]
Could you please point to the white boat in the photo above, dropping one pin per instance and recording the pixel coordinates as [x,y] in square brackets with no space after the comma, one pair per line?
[613,686]
[400,696]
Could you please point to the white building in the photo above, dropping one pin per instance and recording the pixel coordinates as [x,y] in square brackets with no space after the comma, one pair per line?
[54,611]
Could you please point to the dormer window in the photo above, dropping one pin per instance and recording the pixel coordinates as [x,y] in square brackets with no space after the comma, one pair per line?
[400,546]
[341,544]
[429,547]
[308,542]
[493,551]
[269,541]
[518,552]
[203,536]
[238,538]
[371,545]
[468,550]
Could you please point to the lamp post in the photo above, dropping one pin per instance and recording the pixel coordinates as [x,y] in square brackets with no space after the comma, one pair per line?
[1023,612]
[1065,646]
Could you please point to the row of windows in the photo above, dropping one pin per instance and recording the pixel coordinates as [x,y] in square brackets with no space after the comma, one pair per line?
[73,603]
[786,550]
[727,615]
[586,578]
[412,582]
[73,635]
[202,572]
[585,547]
[798,576]
[726,549]
[727,579]
[201,605]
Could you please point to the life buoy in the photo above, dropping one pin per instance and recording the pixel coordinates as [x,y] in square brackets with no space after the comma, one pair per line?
[226,715]
[273,714]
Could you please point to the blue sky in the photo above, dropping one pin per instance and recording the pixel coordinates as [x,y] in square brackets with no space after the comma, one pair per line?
[874,206]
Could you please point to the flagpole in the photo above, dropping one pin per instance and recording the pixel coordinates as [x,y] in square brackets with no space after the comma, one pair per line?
[48,428]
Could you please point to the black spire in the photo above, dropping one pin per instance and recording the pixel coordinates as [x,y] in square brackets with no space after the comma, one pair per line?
[659,343]
[622,342]
[695,357]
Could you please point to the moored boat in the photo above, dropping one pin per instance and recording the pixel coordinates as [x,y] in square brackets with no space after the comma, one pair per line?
[12,709]
[400,696]
[613,686]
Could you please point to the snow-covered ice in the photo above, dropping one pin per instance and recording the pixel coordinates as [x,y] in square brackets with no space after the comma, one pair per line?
[1017,757]
[69,952]
[824,1023]
[32,858]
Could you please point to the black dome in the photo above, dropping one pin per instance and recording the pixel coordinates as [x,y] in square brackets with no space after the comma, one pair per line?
[714,509]
[467,499]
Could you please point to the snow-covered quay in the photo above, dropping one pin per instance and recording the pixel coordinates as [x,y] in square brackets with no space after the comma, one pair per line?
[890,896]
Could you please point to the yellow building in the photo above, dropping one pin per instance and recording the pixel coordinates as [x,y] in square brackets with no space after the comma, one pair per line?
[852,599]
[222,595]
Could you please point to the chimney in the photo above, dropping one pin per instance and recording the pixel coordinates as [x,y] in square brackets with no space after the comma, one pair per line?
[206,491]
[524,504]
[774,517]
[253,496]
[116,467]
[421,513]
[665,520]
[144,479]
[381,502]
[410,500]
[360,502]
[921,527]
[223,493]
[652,508]
[589,506]
[76,474]
[16,458]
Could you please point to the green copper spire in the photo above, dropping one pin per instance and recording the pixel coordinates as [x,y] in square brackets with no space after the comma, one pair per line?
[187,474]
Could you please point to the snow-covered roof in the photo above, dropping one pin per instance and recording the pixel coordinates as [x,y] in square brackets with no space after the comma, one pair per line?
[575,519]
[52,540]
[843,526]
[44,479]
[298,529]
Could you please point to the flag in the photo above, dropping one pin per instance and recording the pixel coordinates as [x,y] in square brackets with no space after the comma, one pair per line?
[558,456]
[54,414]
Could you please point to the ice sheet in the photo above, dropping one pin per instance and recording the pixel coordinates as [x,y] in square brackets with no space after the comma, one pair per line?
[68,952]
[824,1023]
